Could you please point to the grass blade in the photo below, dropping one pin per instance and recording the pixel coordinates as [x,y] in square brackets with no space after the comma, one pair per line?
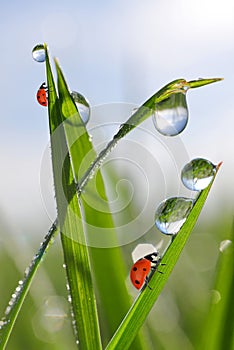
[100,229]
[141,114]
[145,301]
[18,297]
[84,311]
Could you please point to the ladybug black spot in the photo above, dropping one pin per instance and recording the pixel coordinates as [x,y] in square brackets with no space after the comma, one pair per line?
[144,269]
[135,269]
[137,282]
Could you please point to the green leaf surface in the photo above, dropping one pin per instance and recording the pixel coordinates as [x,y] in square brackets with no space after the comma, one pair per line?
[148,296]
[21,291]
[99,227]
[84,311]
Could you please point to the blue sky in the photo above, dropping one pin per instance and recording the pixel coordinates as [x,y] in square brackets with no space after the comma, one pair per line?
[112,51]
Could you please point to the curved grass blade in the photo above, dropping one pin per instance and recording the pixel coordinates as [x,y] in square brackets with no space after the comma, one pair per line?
[141,114]
[145,301]
[84,311]
[97,216]
[18,297]
[217,334]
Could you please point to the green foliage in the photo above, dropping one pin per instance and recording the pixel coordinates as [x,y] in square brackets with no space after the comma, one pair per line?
[143,304]
[218,330]
[84,215]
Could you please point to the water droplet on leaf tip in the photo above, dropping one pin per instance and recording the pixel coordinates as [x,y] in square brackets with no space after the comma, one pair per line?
[38,53]
[172,213]
[82,106]
[198,174]
[171,115]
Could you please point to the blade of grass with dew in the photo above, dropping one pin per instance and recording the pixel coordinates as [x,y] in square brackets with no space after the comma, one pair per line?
[84,311]
[21,291]
[99,223]
[142,113]
[89,195]
[217,333]
[146,299]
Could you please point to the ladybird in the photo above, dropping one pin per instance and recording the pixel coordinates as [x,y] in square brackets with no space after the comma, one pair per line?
[42,95]
[141,269]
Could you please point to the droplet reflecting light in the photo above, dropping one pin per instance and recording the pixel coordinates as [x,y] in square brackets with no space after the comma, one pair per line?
[38,53]
[224,245]
[82,105]
[197,174]
[171,115]
[172,213]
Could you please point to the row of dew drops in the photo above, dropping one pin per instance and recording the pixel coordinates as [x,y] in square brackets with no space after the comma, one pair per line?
[172,212]
[170,116]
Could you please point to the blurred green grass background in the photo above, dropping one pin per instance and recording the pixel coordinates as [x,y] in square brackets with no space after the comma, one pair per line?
[175,322]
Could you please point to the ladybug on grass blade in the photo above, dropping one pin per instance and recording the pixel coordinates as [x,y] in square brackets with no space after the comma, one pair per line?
[142,267]
[42,95]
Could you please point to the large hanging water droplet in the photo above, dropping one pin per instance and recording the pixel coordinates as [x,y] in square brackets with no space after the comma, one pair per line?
[38,53]
[172,213]
[82,105]
[171,115]
[197,174]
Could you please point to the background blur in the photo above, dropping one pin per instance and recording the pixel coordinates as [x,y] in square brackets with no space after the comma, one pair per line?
[116,53]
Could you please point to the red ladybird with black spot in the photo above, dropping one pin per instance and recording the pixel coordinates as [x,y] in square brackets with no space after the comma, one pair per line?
[42,95]
[141,269]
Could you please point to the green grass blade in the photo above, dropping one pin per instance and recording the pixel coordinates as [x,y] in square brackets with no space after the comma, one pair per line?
[146,299]
[142,113]
[84,312]
[18,297]
[96,212]
[201,82]
[217,334]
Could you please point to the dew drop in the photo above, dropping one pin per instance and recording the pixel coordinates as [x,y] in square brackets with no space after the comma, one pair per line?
[171,115]
[82,105]
[224,245]
[38,53]
[197,174]
[2,323]
[8,309]
[172,213]
[215,296]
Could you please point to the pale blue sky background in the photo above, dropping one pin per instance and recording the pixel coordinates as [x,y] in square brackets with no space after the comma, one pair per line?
[112,51]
